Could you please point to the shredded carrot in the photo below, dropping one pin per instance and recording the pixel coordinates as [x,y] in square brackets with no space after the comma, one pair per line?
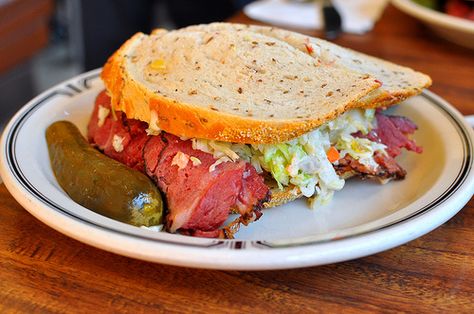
[332,154]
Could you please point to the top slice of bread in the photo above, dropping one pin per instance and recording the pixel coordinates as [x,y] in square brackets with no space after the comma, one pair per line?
[242,84]
[399,82]
[229,85]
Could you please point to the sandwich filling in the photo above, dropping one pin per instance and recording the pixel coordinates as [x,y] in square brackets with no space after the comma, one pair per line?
[200,190]
[359,142]
[204,180]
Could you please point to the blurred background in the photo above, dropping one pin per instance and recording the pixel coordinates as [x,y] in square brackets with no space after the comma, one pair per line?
[43,42]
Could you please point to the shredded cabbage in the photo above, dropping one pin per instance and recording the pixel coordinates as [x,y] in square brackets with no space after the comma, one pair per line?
[303,161]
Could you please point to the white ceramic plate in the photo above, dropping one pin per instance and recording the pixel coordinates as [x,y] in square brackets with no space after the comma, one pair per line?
[364,218]
[455,29]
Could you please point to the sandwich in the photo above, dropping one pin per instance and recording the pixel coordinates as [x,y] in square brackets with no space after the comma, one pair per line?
[230,118]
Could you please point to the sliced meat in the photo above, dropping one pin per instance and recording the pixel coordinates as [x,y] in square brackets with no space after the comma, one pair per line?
[388,168]
[253,191]
[204,234]
[393,131]
[93,128]
[200,199]
[405,125]
[129,135]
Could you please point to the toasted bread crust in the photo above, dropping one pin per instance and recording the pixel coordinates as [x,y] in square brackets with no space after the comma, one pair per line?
[399,82]
[187,120]
[282,196]
[190,121]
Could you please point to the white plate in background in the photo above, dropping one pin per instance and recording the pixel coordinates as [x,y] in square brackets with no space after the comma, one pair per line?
[452,28]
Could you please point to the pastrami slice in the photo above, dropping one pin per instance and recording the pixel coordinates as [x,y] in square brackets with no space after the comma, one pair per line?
[119,138]
[393,132]
[199,200]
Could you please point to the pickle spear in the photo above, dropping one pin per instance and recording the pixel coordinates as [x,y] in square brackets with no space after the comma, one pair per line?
[100,183]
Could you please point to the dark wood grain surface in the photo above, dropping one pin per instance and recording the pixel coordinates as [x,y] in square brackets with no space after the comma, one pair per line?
[42,270]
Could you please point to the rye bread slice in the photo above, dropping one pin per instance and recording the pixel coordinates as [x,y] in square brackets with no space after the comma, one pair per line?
[229,84]
[398,82]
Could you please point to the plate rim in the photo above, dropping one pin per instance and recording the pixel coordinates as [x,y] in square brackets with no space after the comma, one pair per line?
[434,17]
[242,259]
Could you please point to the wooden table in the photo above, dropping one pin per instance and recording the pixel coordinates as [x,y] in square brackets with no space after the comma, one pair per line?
[41,270]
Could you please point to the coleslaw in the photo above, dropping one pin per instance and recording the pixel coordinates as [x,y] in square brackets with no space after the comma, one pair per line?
[303,161]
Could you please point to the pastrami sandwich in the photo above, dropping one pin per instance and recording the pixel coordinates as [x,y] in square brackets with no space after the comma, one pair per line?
[233,118]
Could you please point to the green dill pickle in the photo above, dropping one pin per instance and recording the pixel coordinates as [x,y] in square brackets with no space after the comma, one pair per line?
[100,183]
